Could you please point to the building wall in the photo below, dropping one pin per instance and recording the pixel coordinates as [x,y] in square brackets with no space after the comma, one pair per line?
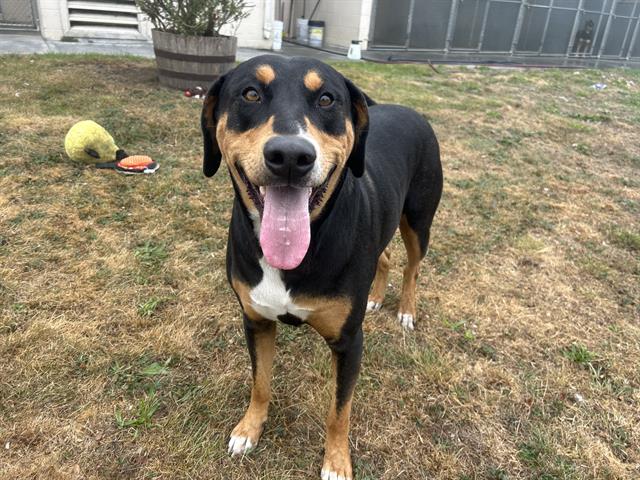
[345,20]
[365,22]
[251,32]
[51,21]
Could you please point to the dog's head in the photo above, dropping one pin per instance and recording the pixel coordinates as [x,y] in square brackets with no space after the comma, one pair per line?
[288,128]
[588,27]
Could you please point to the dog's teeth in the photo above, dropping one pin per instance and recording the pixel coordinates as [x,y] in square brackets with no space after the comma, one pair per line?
[263,191]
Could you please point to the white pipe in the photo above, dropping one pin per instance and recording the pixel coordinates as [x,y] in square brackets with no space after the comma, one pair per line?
[268,19]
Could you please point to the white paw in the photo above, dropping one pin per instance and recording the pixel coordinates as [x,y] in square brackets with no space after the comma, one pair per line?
[373,306]
[329,475]
[239,445]
[406,320]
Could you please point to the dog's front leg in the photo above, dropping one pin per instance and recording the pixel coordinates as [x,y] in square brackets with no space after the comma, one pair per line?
[261,340]
[346,356]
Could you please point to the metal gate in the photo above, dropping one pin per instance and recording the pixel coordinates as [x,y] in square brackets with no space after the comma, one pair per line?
[18,15]
[598,28]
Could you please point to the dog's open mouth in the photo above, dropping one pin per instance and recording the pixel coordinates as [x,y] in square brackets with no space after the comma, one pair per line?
[257,193]
[285,228]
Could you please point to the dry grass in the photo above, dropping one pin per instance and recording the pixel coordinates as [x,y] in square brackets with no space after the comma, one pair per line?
[121,349]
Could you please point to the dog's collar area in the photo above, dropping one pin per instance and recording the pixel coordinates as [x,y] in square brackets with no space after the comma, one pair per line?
[256,193]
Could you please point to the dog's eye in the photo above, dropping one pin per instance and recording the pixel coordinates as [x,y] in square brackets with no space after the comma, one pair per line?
[325,100]
[251,95]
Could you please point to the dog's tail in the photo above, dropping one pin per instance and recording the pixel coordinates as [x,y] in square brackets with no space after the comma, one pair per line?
[370,101]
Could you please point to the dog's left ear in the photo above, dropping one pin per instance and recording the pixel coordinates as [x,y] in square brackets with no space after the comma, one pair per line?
[360,118]
[208,122]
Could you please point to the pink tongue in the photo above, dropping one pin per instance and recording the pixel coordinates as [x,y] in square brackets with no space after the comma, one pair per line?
[285,231]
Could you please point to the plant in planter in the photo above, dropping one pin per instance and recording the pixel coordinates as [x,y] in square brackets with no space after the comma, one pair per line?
[190,50]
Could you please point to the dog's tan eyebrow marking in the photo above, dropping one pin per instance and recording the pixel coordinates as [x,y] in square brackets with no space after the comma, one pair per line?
[312,80]
[265,73]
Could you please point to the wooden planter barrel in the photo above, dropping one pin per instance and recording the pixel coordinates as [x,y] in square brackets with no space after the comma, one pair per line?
[188,61]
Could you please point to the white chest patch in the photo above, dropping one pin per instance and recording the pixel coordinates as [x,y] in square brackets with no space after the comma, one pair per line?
[270,298]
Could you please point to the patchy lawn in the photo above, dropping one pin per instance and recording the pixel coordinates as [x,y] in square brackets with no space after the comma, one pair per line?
[121,348]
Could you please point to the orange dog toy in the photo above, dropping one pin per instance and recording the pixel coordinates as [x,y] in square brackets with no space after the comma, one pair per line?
[135,164]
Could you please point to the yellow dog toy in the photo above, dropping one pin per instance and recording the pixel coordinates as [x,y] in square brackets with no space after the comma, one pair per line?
[88,142]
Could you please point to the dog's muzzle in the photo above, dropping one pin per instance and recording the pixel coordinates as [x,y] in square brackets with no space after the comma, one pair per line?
[289,157]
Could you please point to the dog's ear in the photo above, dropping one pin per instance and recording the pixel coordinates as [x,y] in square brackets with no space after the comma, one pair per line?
[360,118]
[208,122]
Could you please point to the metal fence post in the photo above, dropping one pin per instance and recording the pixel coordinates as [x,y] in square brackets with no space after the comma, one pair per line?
[518,29]
[452,25]
[607,28]
[626,34]
[412,4]
[546,27]
[34,13]
[372,24]
[574,30]
[484,25]
[634,37]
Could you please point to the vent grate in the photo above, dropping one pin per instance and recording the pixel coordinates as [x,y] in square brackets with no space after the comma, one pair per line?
[103,13]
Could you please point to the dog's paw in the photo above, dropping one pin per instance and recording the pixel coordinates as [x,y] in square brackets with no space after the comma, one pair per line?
[407,320]
[373,305]
[244,438]
[337,465]
[326,475]
[239,445]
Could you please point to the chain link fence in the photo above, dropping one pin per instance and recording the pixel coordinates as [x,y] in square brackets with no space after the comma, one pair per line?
[571,28]
[18,15]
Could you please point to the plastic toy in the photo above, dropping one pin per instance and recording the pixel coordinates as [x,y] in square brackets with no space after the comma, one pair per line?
[90,143]
[132,165]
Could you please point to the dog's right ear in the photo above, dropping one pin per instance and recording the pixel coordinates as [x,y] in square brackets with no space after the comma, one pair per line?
[208,122]
[360,116]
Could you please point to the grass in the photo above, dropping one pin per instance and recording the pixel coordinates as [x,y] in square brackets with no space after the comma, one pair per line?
[142,416]
[148,308]
[121,347]
[579,354]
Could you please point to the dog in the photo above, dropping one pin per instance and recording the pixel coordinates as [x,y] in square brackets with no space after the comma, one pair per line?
[584,38]
[323,177]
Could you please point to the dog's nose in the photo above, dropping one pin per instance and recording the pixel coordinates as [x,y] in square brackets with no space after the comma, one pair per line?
[289,156]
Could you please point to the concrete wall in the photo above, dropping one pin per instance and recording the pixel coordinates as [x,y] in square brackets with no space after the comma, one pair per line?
[54,23]
[345,20]
[365,22]
[250,33]
[51,20]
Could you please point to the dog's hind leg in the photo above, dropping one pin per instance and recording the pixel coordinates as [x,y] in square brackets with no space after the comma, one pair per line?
[415,254]
[261,340]
[379,282]
[415,224]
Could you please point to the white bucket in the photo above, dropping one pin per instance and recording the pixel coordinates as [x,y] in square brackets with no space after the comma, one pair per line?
[355,52]
[302,30]
[316,33]
[277,27]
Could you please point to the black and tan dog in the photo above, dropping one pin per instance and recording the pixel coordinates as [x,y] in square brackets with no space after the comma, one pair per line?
[322,177]
[584,37]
